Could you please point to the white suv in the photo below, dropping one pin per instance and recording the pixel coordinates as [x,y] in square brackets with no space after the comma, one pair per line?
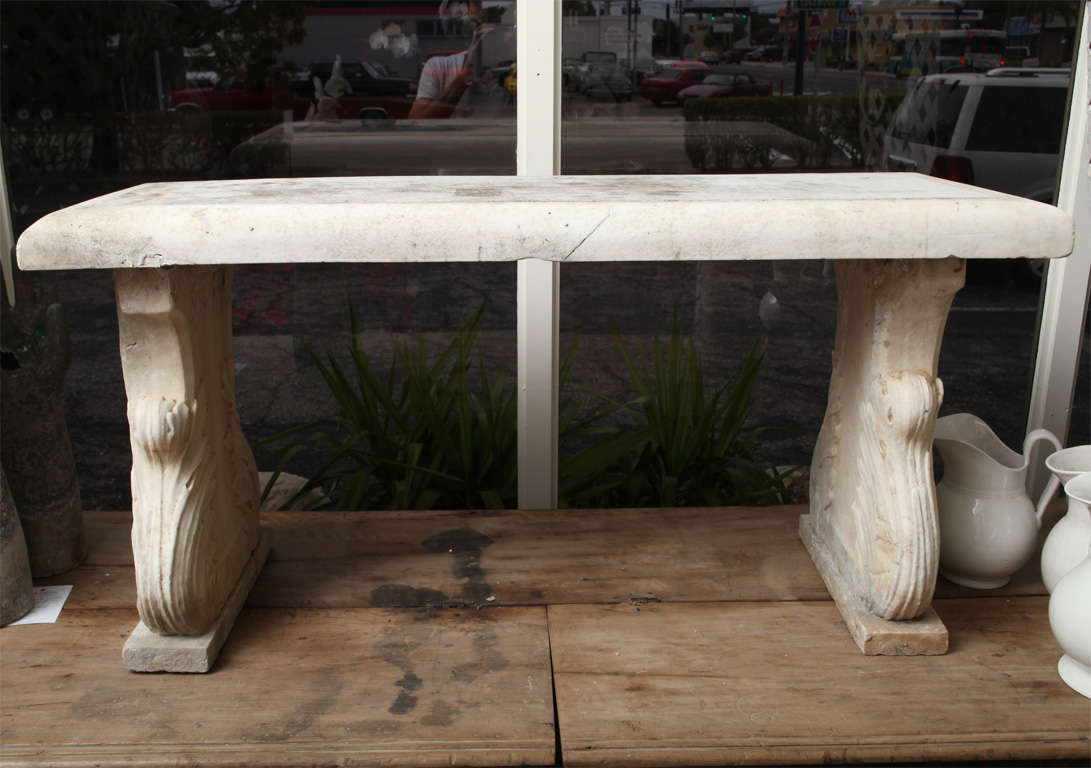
[1000,130]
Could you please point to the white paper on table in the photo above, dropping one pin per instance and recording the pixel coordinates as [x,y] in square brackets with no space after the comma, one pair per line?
[48,602]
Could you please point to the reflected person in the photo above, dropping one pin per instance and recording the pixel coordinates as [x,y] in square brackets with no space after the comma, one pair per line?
[443,90]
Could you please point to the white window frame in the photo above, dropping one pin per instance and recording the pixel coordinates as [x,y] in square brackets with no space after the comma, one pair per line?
[538,59]
[1063,313]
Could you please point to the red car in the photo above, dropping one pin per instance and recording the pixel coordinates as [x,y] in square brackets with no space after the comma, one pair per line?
[665,85]
[373,94]
[721,85]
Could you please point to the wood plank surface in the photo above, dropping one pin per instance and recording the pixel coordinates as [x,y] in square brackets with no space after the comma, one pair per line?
[744,660]
[361,559]
[345,687]
[714,684]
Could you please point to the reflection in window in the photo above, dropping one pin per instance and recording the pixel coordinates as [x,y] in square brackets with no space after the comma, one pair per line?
[860,102]
[1020,119]
[930,115]
[208,89]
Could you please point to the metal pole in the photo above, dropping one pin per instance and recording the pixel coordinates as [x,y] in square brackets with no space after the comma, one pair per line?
[801,48]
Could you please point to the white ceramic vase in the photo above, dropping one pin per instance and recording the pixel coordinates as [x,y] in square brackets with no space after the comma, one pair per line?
[1069,539]
[988,526]
[1070,607]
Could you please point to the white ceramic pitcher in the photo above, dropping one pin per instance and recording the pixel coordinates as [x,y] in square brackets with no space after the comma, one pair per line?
[1070,606]
[988,525]
[1067,543]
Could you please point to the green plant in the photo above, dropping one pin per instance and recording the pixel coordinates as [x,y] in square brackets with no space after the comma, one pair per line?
[418,437]
[680,447]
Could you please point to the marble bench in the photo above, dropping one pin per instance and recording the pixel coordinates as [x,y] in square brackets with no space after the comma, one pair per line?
[899,241]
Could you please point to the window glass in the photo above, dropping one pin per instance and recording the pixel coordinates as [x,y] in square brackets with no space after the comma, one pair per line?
[929,113]
[99,96]
[1019,119]
[882,87]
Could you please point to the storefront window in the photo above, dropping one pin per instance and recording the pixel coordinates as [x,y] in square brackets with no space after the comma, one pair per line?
[661,86]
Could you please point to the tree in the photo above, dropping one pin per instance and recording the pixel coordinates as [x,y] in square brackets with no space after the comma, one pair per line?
[244,36]
[577,8]
[83,58]
[98,58]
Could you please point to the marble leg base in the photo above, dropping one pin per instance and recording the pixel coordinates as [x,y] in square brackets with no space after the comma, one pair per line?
[923,636]
[145,651]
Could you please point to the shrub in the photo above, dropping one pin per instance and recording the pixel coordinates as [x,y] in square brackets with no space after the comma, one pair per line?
[421,437]
[813,131]
[418,437]
[679,446]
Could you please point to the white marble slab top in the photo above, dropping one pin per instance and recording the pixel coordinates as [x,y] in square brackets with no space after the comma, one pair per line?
[563,218]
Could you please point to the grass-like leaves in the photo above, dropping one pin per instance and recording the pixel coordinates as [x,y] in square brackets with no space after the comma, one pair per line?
[677,446]
[417,437]
[435,434]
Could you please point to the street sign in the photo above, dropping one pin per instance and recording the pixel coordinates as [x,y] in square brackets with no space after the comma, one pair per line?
[818,5]
[935,14]
[814,34]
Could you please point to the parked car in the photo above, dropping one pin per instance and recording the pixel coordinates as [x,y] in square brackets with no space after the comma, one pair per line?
[709,57]
[365,79]
[574,74]
[645,68]
[666,85]
[500,71]
[372,95]
[1000,130]
[607,77]
[763,53]
[511,86]
[720,84]
[1018,56]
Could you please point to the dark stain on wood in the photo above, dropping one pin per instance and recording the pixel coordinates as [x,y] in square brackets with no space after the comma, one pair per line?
[489,659]
[110,704]
[466,545]
[406,596]
[442,714]
[395,649]
[305,714]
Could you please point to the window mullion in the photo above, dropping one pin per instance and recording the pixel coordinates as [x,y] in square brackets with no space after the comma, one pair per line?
[538,128]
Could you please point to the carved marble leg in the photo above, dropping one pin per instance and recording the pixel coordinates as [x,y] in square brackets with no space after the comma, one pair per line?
[196,539]
[872,530]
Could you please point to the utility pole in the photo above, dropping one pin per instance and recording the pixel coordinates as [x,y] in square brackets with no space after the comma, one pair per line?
[681,28]
[801,51]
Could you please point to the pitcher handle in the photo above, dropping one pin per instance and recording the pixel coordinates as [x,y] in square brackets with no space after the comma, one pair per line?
[1054,481]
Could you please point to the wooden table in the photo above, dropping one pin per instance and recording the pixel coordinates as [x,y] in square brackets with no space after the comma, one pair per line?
[899,241]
